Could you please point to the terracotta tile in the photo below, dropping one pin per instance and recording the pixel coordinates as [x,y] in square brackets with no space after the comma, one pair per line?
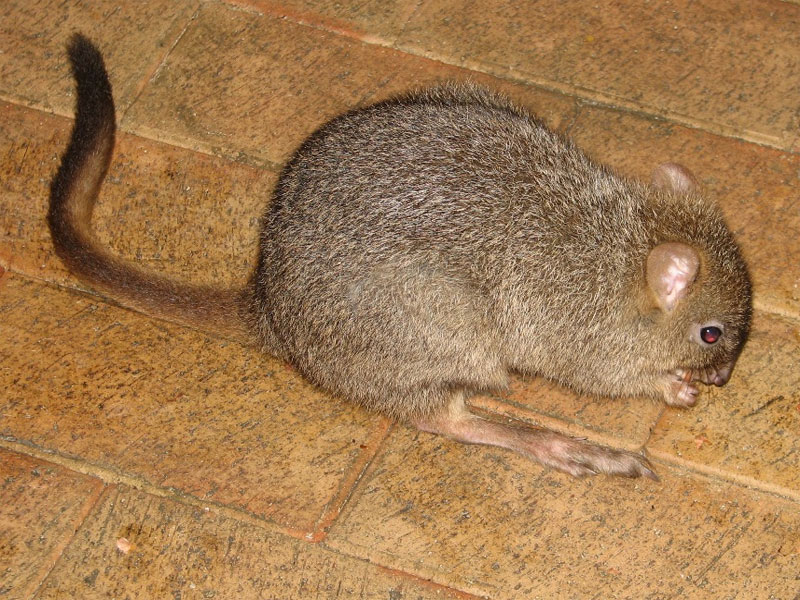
[253,87]
[747,430]
[83,377]
[69,379]
[262,440]
[494,524]
[176,551]
[160,205]
[134,36]
[776,547]
[733,69]
[28,142]
[756,187]
[41,507]
[372,20]
[169,406]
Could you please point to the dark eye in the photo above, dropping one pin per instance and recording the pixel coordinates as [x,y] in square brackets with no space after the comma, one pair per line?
[710,335]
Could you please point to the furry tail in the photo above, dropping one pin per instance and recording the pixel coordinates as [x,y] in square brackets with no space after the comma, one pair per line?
[73,192]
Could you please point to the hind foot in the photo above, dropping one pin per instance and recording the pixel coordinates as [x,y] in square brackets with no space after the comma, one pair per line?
[575,456]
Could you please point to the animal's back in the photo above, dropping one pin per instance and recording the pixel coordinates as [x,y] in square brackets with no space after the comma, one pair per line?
[416,240]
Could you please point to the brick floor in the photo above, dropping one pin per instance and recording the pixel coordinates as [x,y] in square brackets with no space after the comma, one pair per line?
[143,459]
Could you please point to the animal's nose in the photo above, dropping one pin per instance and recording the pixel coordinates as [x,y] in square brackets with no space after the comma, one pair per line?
[722,375]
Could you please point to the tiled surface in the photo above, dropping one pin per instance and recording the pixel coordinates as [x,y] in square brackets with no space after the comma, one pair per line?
[748,429]
[254,484]
[41,507]
[160,204]
[726,67]
[202,96]
[623,422]
[699,62]
[378,22]
[174,408]
[137,546]
[135,37]
[495,525]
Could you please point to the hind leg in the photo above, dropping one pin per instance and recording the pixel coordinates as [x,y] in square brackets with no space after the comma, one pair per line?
[571,455]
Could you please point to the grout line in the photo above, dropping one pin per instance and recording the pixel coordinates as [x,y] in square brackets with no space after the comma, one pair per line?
[105,487]
[90,295]
[88,506]
[400,573]
[520,77]
[151,135]
[156,67]
[31,104]
[779,311]
[726,476]
[508,409]
[309,19]
[349,483]
[112,476]
[494,407]
[428,583]
[596,98]
[200,146]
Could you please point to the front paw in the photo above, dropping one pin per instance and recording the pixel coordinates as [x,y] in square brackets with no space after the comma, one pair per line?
[679,391]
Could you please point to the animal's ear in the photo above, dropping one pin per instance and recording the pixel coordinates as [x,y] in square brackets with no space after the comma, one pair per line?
[671,269]
[672,177]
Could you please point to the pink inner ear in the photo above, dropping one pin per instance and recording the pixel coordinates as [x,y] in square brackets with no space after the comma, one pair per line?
[673,177]
[671,269]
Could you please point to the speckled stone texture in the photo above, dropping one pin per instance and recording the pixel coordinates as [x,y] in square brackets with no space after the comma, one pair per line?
[138,546]
[174,408]
[144,459]
[490,523]
[41,507]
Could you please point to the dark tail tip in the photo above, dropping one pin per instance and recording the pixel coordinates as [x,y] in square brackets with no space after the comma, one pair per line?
[82,51]
[94,129]
[89,70]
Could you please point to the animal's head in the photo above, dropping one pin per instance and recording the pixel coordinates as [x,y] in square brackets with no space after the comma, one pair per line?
[697,292]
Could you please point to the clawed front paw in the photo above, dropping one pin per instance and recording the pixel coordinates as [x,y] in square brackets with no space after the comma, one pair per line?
[679,390]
